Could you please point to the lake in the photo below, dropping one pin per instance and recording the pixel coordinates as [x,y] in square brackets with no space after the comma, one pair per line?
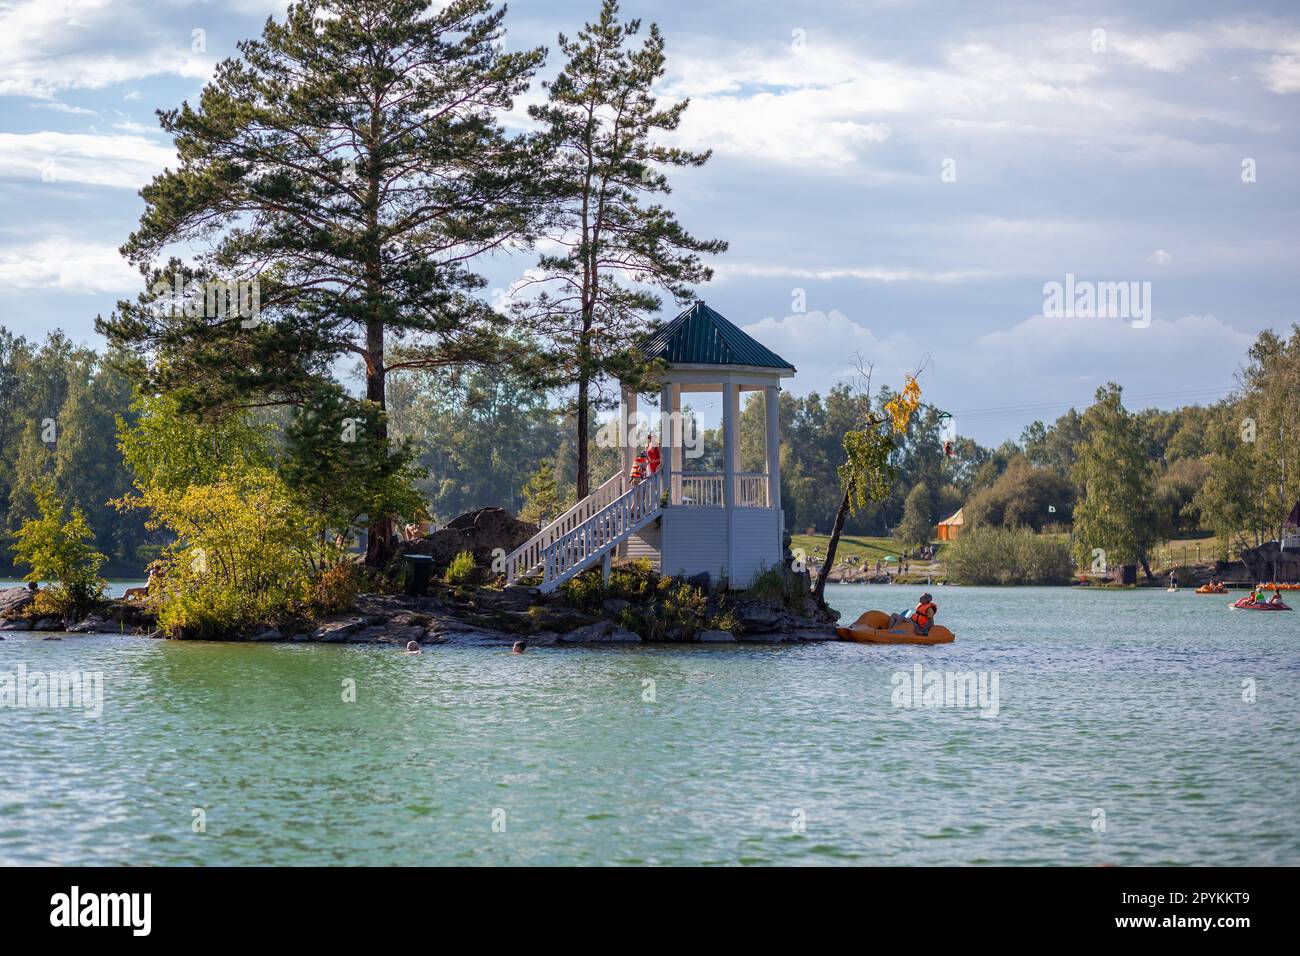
[1130,727]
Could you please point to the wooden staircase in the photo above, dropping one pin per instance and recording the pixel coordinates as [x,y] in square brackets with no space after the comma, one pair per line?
[589,531]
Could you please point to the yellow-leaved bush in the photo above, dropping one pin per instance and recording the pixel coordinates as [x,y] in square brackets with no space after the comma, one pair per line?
[246,554]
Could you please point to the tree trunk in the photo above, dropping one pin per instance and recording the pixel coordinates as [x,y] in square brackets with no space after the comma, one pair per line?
[820,587]
[584,412]
[1146,566]
[378,551]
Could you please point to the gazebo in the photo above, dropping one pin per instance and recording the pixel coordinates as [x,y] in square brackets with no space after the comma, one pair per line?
[725,523]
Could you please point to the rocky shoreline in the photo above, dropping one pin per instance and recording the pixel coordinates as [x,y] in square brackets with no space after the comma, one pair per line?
[485,616]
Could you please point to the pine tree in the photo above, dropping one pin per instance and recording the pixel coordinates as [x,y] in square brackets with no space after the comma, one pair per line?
[591,300]
[351,162]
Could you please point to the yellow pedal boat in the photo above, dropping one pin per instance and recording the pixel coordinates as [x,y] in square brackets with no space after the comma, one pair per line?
[873,628]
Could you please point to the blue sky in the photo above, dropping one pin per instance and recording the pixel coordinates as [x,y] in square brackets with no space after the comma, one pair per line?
[1114,156]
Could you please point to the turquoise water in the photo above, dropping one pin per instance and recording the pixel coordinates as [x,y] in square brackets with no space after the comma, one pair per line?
[115,589]
[1128,703]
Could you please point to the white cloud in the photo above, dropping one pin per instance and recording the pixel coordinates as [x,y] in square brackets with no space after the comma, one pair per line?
[1035,88]
[1038,367]
[66,265]
[825,346]
[730,270]
[1167,53]
[1160,257]
[126,162]
[51,45]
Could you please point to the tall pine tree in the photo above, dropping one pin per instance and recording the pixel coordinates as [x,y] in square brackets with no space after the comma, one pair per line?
[592,298]
[350,161]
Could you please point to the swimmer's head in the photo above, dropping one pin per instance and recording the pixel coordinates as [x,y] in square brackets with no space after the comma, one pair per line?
[520,647]
[412,646]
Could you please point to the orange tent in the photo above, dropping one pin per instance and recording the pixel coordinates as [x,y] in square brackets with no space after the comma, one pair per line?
[950,527]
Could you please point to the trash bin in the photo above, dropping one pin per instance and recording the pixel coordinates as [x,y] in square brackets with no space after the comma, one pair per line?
[419,568]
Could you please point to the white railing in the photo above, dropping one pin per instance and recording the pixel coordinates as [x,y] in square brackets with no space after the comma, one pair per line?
[702,489]
[706,489]
[527,558]
[601,532]
[751,490]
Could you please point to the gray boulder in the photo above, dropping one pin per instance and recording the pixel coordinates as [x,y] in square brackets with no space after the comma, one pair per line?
[13,600]
[715,637]
[336,632]
[17,624]
[92,625]
[602,632]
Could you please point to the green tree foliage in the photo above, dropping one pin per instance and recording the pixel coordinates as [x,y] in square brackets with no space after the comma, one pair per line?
[350,160]
[342,468]
[477,435]
[57,405]
[1118,511]
[542,501]
[917,526]
[58,547]
[592,297]
[1022,496]
[169,448]
[991,555]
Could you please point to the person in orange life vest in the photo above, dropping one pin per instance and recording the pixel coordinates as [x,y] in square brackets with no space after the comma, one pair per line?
[653,456]
[638,468]
[923,614]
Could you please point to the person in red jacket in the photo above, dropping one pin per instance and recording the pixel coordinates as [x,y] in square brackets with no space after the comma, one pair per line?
[653,457]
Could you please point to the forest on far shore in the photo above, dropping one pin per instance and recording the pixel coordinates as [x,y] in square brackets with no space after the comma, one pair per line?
[480,439]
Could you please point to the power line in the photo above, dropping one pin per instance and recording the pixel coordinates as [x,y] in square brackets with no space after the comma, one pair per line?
[1008,410]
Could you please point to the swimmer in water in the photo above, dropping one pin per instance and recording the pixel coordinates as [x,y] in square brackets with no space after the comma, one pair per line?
[412,647]
[519,648]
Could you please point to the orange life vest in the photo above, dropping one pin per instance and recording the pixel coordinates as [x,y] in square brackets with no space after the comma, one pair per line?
[638,468]
[924,614]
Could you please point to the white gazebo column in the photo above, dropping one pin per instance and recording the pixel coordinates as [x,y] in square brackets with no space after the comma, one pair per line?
[678,438]
[667,460]
[772,402]
[729,472]
[735,439]
[626,431]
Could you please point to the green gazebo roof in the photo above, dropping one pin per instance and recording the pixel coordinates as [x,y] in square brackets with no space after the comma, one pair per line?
[701,336]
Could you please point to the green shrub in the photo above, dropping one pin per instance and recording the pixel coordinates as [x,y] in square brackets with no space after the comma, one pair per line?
[986,555]
[462,569]
[59,549]
[775,585]
[245,556]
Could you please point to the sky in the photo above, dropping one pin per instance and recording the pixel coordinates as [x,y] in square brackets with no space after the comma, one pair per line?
[898,181]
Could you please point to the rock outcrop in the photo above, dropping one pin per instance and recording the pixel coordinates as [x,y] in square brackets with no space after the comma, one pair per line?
[485,533]
[14,601]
